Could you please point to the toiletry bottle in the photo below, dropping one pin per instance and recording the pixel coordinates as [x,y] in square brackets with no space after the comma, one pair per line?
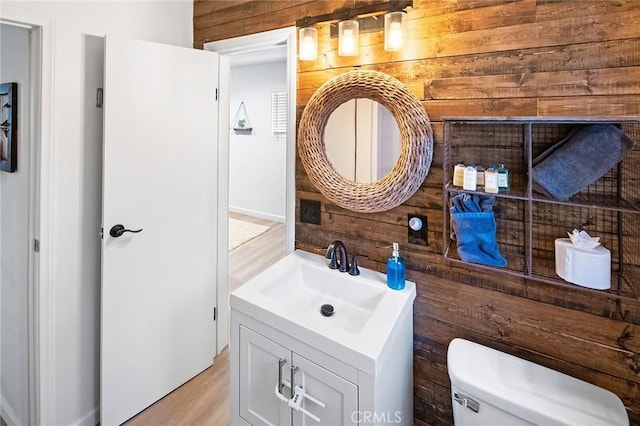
[480,178]
[503,178]
[458,174]
[491,180]
[470,178]
[396,269]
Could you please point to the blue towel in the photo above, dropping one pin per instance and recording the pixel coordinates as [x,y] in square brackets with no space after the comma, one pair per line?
[468,203]
[475,229]
[579,160]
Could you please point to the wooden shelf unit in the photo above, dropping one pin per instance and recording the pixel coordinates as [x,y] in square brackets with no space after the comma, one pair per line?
[528,222]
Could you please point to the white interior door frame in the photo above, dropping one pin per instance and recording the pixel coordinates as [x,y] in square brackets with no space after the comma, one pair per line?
[41,309]
[226,48]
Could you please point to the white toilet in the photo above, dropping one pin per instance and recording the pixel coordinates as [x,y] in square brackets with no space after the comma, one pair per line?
[492,388]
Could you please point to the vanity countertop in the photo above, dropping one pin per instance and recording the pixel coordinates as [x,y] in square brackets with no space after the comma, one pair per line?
[289,294]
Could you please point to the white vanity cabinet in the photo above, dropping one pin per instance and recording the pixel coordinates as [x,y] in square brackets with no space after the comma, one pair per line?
[350,396]
[353,368]
[264,363]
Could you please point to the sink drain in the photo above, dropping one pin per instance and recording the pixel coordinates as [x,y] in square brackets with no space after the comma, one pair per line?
[326,310]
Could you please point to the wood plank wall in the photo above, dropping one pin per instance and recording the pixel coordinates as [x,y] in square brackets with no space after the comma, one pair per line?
[479,57]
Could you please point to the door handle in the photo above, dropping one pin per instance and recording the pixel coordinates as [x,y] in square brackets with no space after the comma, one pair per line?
[118,230]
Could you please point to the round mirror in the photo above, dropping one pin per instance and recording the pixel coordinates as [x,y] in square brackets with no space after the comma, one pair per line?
[412,165]
[362,140]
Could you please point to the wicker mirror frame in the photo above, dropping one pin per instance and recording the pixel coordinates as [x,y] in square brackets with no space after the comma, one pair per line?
[416,153]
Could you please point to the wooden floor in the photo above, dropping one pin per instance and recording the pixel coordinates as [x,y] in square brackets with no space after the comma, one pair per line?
[247,260]
[204,400]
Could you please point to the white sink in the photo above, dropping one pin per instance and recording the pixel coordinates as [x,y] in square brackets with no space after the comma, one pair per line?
[302,288]
[289,294]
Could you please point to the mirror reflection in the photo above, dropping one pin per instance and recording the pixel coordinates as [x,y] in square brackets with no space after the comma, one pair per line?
[362,140]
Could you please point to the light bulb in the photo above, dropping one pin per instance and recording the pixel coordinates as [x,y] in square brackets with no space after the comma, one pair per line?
[348,32]
[393,31]
[308,44]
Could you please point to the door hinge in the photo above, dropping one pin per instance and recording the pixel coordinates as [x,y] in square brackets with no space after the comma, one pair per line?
[215,313]
[216,93]
[99,97]
[36,246]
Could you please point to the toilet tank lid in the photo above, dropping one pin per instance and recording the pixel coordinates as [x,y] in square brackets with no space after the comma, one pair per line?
[530,391]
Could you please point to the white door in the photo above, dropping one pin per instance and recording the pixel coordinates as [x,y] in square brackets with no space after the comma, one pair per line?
[262,363]
[159,176]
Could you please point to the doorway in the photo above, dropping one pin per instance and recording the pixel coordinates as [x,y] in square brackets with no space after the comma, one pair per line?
[257,162]
[24,60]
[256,44]
[38,127]
[15,318]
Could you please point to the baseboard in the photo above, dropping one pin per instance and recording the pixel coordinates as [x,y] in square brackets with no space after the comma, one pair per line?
[255,213]
[8,414]
[92,418]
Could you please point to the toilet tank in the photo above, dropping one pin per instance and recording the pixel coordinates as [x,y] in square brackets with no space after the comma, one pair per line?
[490,387]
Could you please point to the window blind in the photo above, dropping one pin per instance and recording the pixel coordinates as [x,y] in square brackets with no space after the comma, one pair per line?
[279,113]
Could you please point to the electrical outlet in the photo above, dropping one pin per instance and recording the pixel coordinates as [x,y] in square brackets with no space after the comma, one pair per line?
[417,228]
[310,211]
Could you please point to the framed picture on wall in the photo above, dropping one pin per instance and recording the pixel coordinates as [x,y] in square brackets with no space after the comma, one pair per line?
[8,127]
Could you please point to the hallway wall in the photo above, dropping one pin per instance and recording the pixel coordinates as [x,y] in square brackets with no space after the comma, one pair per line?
[257,158]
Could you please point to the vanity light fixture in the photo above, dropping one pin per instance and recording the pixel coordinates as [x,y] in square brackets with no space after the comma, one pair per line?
[348,32]
[352,22]
[393,31]
[308,42]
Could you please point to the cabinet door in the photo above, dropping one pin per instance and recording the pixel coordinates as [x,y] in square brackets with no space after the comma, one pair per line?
[259,365]
[339,395]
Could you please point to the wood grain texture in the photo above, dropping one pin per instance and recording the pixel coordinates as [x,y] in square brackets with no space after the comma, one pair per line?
[484,58]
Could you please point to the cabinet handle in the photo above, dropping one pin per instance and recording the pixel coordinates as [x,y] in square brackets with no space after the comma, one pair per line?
[281,364]
[294,370]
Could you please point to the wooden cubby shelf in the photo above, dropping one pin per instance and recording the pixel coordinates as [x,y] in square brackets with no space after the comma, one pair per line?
[528,222]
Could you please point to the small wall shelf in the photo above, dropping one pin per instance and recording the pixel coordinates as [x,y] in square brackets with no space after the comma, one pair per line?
[241,121]
[528,222]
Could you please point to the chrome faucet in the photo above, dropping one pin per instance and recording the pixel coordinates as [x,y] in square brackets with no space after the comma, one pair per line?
[339,260]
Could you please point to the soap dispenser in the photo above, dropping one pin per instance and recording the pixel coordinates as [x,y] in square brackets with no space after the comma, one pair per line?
[396,269]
